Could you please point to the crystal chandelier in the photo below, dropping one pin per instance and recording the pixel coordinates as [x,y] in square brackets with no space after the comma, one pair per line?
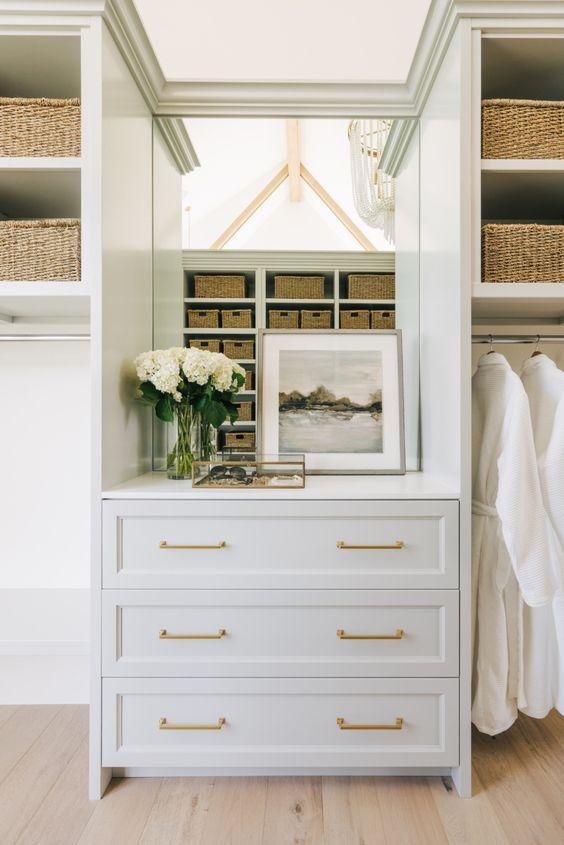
[373,190]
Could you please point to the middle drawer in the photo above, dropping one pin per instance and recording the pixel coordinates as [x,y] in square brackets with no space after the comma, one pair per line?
[280,633]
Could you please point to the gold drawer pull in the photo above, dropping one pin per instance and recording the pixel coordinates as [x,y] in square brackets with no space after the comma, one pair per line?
[399,544]
[164,726]
[397,726]
[164,635]
[400,633]
[164,545]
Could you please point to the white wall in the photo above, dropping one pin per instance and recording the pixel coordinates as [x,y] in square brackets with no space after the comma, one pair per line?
[44,521]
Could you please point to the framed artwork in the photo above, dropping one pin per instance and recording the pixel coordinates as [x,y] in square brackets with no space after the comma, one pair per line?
[336,397]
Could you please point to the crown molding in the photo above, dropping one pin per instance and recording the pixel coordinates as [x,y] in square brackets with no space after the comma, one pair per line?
[396,145]
[176,137]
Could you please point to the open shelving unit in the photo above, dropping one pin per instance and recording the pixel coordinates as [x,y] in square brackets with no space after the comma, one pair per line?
[259,269]
[512,66]
[34,187]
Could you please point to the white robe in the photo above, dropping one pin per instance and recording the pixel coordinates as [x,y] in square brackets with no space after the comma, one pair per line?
[543,627]
[510,538]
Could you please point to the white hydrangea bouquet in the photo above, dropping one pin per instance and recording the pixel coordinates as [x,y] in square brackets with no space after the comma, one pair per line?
[195,390]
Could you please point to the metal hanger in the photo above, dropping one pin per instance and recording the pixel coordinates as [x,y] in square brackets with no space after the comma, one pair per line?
[537,350]
[491,345]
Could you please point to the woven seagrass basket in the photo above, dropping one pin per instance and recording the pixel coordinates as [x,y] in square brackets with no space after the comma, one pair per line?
[249,379]
[203,319]
[219,287]
[244,411]
[240,319]
[39,127]
[383,319]
[299,287]
[239,440]
[283,319]
[522,252]
[355,319]
[522,129]
[208,345]
[371,286]
[243,349]
[315,319]
[40,250]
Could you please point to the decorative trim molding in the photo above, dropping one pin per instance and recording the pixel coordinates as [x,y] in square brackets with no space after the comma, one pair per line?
[397,143]
[246,260]
[176,137]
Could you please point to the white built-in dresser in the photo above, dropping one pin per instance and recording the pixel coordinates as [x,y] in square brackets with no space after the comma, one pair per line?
[280,632]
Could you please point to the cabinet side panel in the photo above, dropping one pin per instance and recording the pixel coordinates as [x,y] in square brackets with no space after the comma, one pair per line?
[126,267]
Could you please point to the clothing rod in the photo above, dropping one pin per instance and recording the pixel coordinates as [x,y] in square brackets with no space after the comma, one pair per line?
[44,337]
[517,338]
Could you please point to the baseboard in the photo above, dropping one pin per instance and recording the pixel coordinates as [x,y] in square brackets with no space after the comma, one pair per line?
[44,678]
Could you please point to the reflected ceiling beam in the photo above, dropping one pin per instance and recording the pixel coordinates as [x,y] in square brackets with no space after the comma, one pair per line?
[333,206]
[253,206]
[294,159]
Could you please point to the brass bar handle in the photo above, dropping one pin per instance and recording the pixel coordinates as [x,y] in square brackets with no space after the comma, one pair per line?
[400,633]
[164,726]
[397,726]
[164,635]
[164,545]
[399,544]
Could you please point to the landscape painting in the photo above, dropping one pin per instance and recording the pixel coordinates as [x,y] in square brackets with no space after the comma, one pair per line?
[330,401]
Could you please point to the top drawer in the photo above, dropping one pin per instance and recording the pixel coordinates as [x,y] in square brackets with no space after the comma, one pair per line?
[281,545]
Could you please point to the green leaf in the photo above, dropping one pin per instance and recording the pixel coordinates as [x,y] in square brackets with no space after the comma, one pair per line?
[149,392]
[164,409]
[201,404]
[215,413]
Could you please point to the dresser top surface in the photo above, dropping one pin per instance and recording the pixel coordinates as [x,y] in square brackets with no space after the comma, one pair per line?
[413,485]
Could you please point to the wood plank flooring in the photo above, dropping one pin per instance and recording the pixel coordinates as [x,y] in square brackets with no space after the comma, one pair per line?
[518,796]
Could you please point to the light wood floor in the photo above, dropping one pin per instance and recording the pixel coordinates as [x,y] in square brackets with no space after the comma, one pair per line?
[518,796]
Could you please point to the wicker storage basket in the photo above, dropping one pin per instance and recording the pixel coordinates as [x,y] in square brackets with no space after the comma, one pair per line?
[249,380]
[522,129]
[39,127]
[243,349]
[219,287]
[203,319]
[245,411]
[209,345]
[40,250]
[299,287]
[522,252]
[239,440]
[283,319]
[355,319]
[383,319]
[315,319]
[237,319]
[371,286]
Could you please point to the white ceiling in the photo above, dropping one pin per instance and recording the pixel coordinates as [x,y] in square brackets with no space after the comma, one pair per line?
[293,40]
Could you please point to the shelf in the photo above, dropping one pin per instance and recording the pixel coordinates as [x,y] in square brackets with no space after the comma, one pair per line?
[246,392]
[343,302]
[239,424]
[40,192]
[519,165]
[220,331]
[40,66]
[518,300]
[14,309]
[320,302]
[201,300]
[522,68]
[523,195]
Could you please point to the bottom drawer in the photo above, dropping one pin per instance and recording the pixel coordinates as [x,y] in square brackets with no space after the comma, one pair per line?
[280,723]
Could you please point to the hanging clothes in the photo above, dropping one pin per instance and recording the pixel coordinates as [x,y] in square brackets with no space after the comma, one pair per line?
[543,627]
[510,536]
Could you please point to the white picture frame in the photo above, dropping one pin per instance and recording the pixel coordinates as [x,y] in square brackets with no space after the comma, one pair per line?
[310,352]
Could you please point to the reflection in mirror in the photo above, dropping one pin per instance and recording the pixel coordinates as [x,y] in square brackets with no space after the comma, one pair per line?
[272,223]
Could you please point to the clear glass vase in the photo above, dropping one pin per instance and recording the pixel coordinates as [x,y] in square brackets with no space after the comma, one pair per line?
[189,439]
[183,448]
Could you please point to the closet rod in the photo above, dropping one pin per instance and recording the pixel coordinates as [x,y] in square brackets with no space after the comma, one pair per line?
[517,338]
[44,337]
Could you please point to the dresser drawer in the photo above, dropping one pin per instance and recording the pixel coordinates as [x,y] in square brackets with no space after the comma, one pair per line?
[404,544]
[280,723]
[279,633]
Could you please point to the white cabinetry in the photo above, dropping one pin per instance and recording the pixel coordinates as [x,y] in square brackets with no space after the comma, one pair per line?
[305,636]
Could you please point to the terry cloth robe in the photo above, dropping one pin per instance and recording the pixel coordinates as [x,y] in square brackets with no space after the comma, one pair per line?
[510,538]
[543,627]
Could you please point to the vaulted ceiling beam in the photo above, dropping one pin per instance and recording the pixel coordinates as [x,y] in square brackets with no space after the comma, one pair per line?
[294,159]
